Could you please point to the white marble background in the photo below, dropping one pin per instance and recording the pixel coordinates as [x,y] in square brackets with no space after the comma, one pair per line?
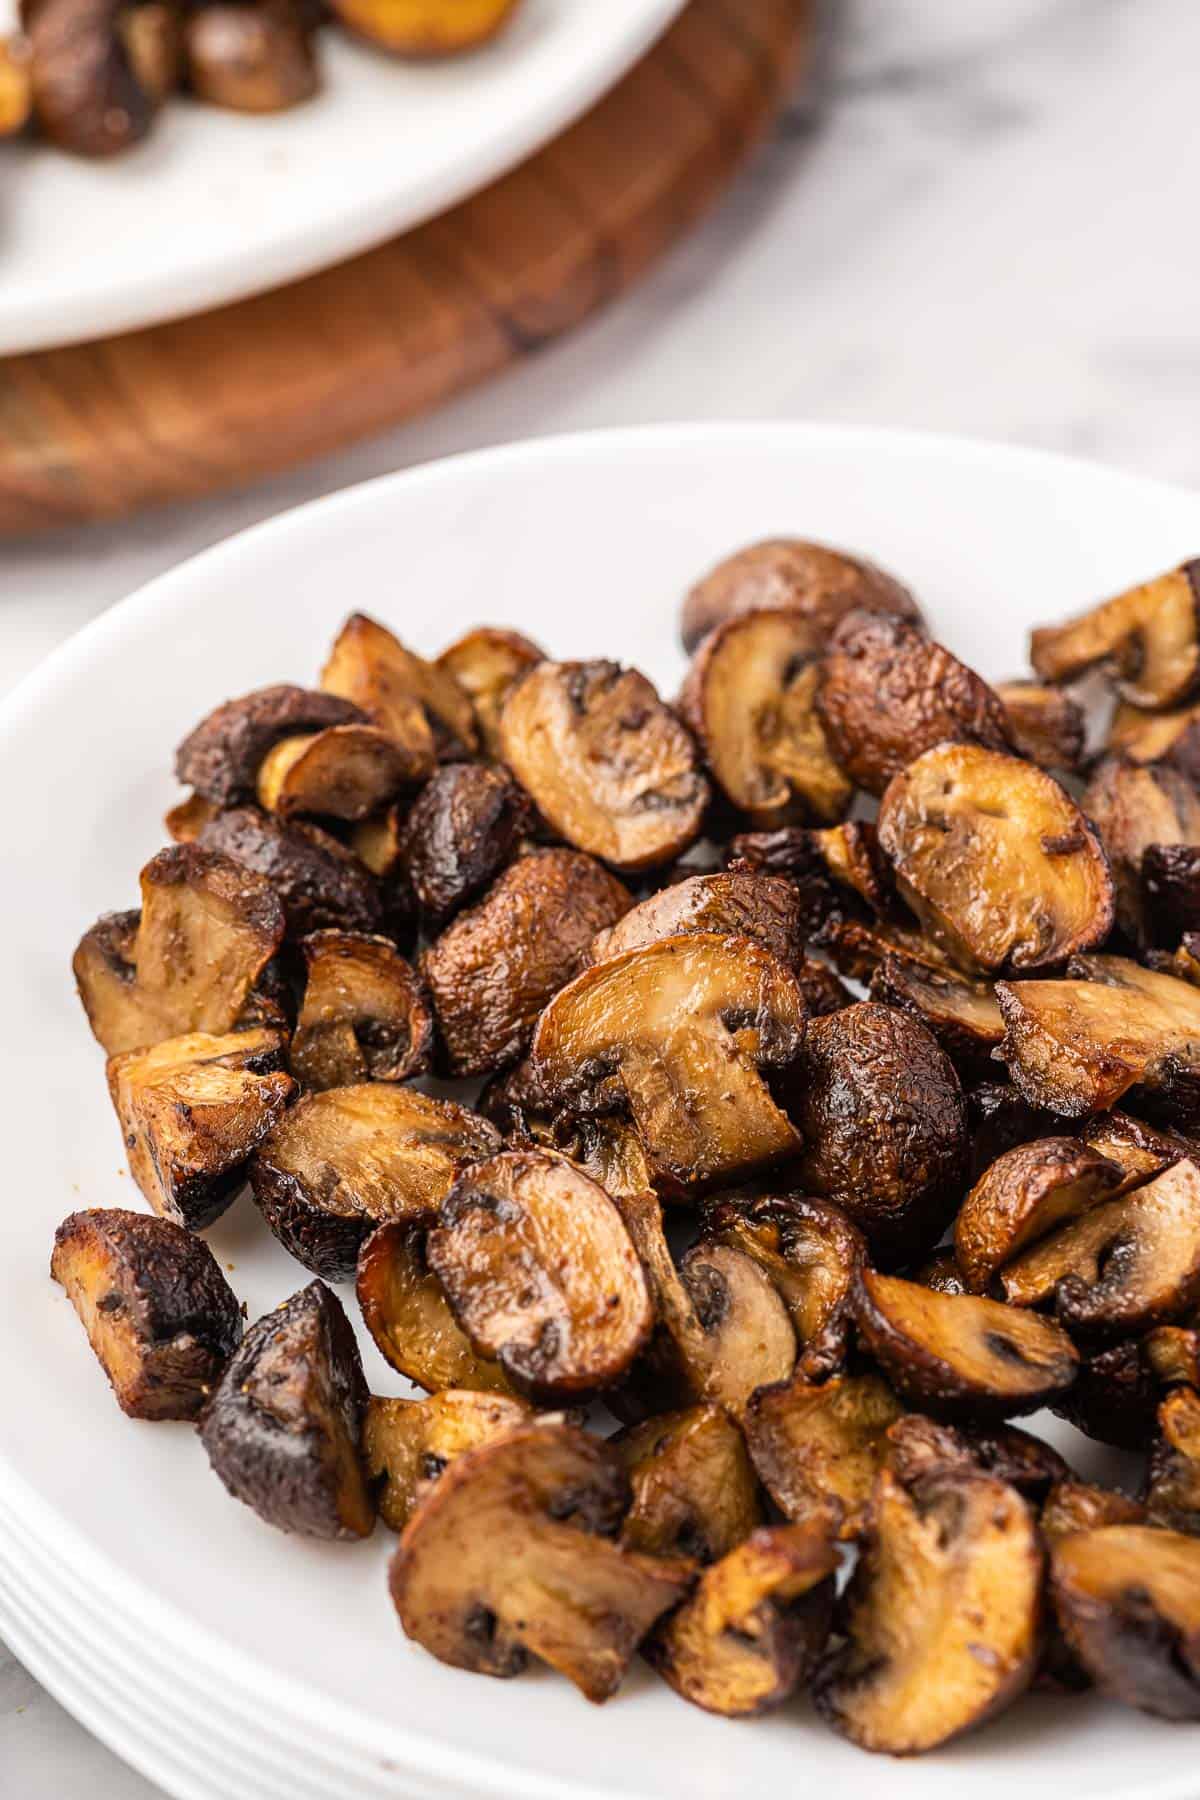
[984,222]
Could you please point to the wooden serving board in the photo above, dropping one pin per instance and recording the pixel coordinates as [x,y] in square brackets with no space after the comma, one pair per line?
[177,410]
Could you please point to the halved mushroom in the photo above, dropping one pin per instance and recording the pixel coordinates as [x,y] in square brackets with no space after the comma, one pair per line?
[1022,1197]
[918,1447]
[1128,1600]
[942,1615]
[208,929]
[1138,1149]
[409,1316]
[1124,1266]
[249,58]
[1171,886]
[540,1273]
[378,842]
[817,1448]
[425,27]
[221,758]
[407,1444]
[464,826]
[16,83]
[347,772]
[1114,1397]
[319,882]
[694,1491]
[764,908]
[414,701]
[995,858]
[963,1015]
[192,1110]
[883,1123]
[1044,724]
[792,573]
[752,1631]
[159,1314]
[511,1555]
[1172,1354]
[1173,1483]
[961,1356]
[887,693]
[1079,1506]
[608,1149]
[346,1160]
[485,663]
[1133,808]
[1148,636]
[1172,738]
[283,1428]
[364,1016]
[492,970]
[609,767]
[679,1033]
[999,1118]
[88,96]
[829,867]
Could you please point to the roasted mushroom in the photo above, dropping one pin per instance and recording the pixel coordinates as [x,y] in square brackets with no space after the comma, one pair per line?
[1133,808]
[511,1555]
[1023,1196]
[1044,724]
[1078,1506]
[378,842]
[963,1015]
[820,988]
[346,1160]
[995,858]
[485,663]
[999,1118]
[1172,1354]
[1173,1485]
[208,929]
[16,83]
[425,27]
[842,859]
[414,701]
[222,757]
[347,772]
[364,1016]
[941,1273]
[1171,885]
[1114,1397]
[858,947]
[887,694]
[609,767]
[1128,1600]
[918,1447]
[249,58]
[1138,1149]
[752,1631]
[820,583]
[283,1428]
[408,1443]
[750,698]
[157,1310]
[1148,636]
[409,1317]
[319,882]
[87,95]
[694,1490]
[735,904]
[1172,738]
[192,1110]
[678,1033]
[817,1447]
[496,966]
[464,826]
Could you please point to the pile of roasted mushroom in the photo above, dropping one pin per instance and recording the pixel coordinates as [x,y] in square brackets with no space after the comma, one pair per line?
[91,75]
[814,1253]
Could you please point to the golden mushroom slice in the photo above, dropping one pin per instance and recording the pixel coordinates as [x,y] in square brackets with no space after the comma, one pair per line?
[511,1555]
[407,1313]
[346,1160]
[318,881]
[485,663]
[1148,636]
[1139,1150]
[942,1616]
[191,1112]
[467,823]
[159,1314]
[963,1015]
[609,767]
[1172,1354]
[222,757]
[1173,1484]
[1134,808]
[699,1016]
[995,858]
[751,1633]
[414,701]
[694,1490]
[765,908]
[425,27]
[1079,1506]
[1144,737]
[249,58]
[1023,1196]
[364,1016]
[186,820]
[408,1444]
[347,772]
[1044,723]
[960,1356]
[797,575]
[818,1447]
[207,930]
[1128,1600]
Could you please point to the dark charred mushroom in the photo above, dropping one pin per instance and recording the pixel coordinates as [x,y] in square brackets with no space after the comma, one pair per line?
[424,27]
[347,772]
[1024,1196]
[87,94]
[249,58]
[1173,1486]
[820,988]
[941,1273]
[918,1447]
[1114,1397]
[1078,1506]
[964,1016]
[464,826]
[1133,808]
[694,1491]
[1148,637]
[409,1316]
[407,1444]
[820,583]
[817,1448]
[319,882]
[485,663]
[1000,1117]
[1128,1600]
[1171,886]
[1138,1149]
[222,757]
[833,867]
[764,908]
[364,1016]
[858,947]
[414,701]
[157,1310]
[1044,724]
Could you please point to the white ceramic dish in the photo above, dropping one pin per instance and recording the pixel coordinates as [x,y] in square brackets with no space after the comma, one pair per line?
[217,205]
[217,1655]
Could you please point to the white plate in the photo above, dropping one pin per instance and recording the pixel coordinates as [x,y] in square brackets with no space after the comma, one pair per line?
[192,1637]
[216,205]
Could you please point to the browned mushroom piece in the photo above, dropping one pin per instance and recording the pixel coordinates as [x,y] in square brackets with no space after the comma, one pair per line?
[1023,1196]
[1172,1355]
[1079,1506]
[996,859]
[157,1310]
[1139,1150]
[411,699]
[751,1633]
[249,58]
[609,767]
[347,772]
[1173,1480]
[750,698]
[407,1444]
[16,83]
[88,96]
[883,1123]
[961,1356]
[609,1149]
[1114,1396]
[1133,808]
[364,1015]
[1044,724]
[511,1555]
[1128,1600]
[192,1110]
[1149,637]
[918,1447]
[408,1315]
[999,1118]
[820,988]
[833,869]
[941,1273]
[421,28]
[1171,889]
[1145,737]
[694,1490]
[764,908]
[346,1160]
[319,882]
[485,663]
[516,1104]
[185,821]
[818,1447]
[495,967]
[810,1251]
[222,757]
[207,931]
[887,693]
[283,1428]
[857,947]
[464,826]
[378,841]
[963,1015]
[680,1034]
[1077,1046]
[794,574]
[539,1270]
[1123,1267]
[942,1615]
[153,33]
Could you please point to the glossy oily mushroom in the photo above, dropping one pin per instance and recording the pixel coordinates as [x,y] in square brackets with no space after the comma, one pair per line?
[347,772]
[1134,808]
[1173,1483]
[609,767]
[1023,1196]
[918,1447]
[405,1309]
[999,1118]
[414,701]
[1044,723]
[408,1444]
[1079,1506]
[818,1447]
[364,1016]
[1148,637]
[466,824]
[1128,1600]
[964,1016]
[222,757]
[814,580]
[485,663]
[1171,891]
[764,908]
[694,1490]
[320,884]
[425,28]
[1139,1150]
[858,947]
[995,858]
[249,58]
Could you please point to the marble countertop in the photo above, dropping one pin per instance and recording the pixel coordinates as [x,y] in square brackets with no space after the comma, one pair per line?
[978,221]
